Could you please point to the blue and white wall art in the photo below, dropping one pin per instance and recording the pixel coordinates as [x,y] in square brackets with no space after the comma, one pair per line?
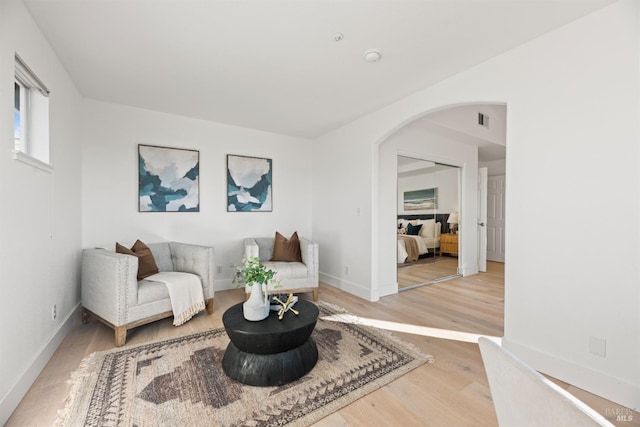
[421,199]
[249,184]
[169,179]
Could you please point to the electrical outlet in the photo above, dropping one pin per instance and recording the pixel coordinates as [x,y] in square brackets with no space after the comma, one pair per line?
[219,269]
[54,312]
[598,346]
[347,270]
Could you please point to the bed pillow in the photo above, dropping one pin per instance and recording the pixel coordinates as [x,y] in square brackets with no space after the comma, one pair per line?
[286,249]
[402,223]
[413,230]
[428,228]
[146,263]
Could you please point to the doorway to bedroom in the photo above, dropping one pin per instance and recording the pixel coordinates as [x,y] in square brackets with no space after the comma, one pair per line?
[428,207]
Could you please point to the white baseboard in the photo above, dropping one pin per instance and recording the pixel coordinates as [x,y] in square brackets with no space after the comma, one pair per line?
[352,288]
[224,284]
[468,270]
[390,289]
[600,384]
[10,401]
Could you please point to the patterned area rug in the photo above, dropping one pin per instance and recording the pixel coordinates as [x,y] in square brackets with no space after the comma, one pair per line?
[181,381]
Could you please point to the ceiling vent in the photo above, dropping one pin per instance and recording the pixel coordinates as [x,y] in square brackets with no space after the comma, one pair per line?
[483,120]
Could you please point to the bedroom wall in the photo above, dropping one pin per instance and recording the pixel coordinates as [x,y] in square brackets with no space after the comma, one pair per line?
[40,232]
[446,181]
[573,99]
[110,176]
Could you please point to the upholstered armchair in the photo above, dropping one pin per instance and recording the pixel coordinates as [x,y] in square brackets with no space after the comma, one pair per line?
[297,277]
[112,292]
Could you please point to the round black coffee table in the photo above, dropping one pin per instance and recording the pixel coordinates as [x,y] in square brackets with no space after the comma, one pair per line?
[270,352]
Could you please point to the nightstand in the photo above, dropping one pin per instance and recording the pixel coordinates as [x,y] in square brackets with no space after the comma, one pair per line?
[449,244]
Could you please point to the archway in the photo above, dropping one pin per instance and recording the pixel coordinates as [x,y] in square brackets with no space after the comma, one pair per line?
[443,143]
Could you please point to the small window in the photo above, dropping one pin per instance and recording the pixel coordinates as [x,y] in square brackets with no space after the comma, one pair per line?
[30,114]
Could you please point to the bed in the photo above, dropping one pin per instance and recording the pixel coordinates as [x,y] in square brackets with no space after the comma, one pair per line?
[418,236]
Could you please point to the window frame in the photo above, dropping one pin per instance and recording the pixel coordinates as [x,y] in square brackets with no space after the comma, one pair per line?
[25,145]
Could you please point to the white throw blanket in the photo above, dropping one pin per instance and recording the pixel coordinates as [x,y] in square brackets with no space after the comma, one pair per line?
[185,292]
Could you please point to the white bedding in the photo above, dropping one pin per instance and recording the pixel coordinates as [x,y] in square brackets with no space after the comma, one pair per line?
[402,252]
[424,243]
[423,246]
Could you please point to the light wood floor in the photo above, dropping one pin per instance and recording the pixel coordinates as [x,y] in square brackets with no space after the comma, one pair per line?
[418,273]
[451,392]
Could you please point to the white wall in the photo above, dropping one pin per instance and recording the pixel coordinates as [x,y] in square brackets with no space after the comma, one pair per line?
[110,176]
[494,167]
[581,85]
[40,233]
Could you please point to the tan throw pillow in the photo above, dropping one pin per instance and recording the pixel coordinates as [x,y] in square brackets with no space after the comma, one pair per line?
[146,263]
[286,249]
[124,250]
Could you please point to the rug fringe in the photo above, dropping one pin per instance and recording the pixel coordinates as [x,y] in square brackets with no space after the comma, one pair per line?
[86,370]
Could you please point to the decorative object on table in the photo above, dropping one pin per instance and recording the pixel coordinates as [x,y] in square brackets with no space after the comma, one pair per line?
[421,199]
[453,221]
[286,305]
[275,305]
[256,275]
[168,179]
[249,184]
[153,384]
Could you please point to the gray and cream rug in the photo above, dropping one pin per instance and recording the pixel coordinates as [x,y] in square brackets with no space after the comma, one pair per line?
[180,382]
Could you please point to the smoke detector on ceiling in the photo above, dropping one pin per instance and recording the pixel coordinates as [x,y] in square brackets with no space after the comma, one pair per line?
[372,55]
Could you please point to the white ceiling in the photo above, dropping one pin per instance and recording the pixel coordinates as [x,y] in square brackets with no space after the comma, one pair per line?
[274,65]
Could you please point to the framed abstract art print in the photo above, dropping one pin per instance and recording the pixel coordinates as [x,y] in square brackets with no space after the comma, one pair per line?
[249,184]
[169,179]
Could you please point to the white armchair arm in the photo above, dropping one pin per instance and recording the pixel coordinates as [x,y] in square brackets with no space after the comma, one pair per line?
[108,282]
[251,248]
[309,252]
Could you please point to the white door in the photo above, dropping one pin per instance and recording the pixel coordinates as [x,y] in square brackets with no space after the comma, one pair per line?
[495,218]
[482,219]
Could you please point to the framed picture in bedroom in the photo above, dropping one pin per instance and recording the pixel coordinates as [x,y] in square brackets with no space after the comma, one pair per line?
[168,179]
[421,199]
[249,184]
